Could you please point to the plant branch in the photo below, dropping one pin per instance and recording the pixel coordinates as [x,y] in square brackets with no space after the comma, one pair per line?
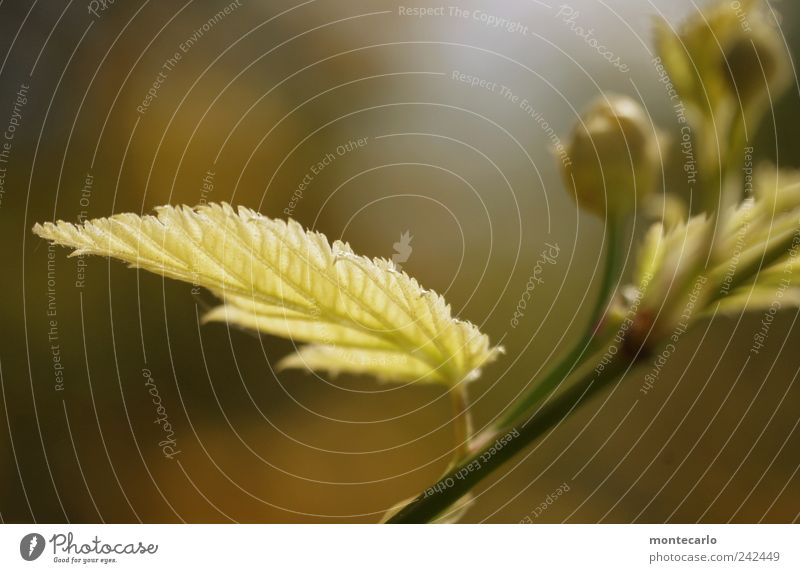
[611,272]
[459,481]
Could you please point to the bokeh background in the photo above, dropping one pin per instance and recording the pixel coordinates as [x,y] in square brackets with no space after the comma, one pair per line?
[261,96]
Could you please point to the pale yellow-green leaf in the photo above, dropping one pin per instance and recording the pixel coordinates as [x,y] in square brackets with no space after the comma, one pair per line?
[668,260]
[755,263]
[357,314]
[380,363]
[759,298]
[778,189]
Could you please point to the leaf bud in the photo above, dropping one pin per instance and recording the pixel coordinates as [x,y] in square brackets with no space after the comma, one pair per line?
[613,155]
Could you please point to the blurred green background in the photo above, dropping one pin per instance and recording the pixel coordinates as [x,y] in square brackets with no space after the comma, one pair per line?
[262,95]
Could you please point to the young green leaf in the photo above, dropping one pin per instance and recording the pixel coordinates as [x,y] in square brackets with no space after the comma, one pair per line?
[756,263]
[357,314]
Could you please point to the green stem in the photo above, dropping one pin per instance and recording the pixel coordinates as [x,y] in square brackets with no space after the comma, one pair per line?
[462,422]
[459,481]
[557,373]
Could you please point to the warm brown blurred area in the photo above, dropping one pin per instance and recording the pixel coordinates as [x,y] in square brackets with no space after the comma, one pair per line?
[378,113]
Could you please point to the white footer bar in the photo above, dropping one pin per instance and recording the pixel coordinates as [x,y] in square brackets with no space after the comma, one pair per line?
[370,548]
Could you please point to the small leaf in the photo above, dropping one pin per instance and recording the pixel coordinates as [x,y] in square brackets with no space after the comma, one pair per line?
[359,315]
[756,260]
[759,298]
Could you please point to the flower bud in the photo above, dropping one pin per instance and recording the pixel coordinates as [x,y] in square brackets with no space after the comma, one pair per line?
[753,64]
[716,57]
[613,157]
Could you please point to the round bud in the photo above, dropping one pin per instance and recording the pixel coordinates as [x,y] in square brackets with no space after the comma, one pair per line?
[613,156]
